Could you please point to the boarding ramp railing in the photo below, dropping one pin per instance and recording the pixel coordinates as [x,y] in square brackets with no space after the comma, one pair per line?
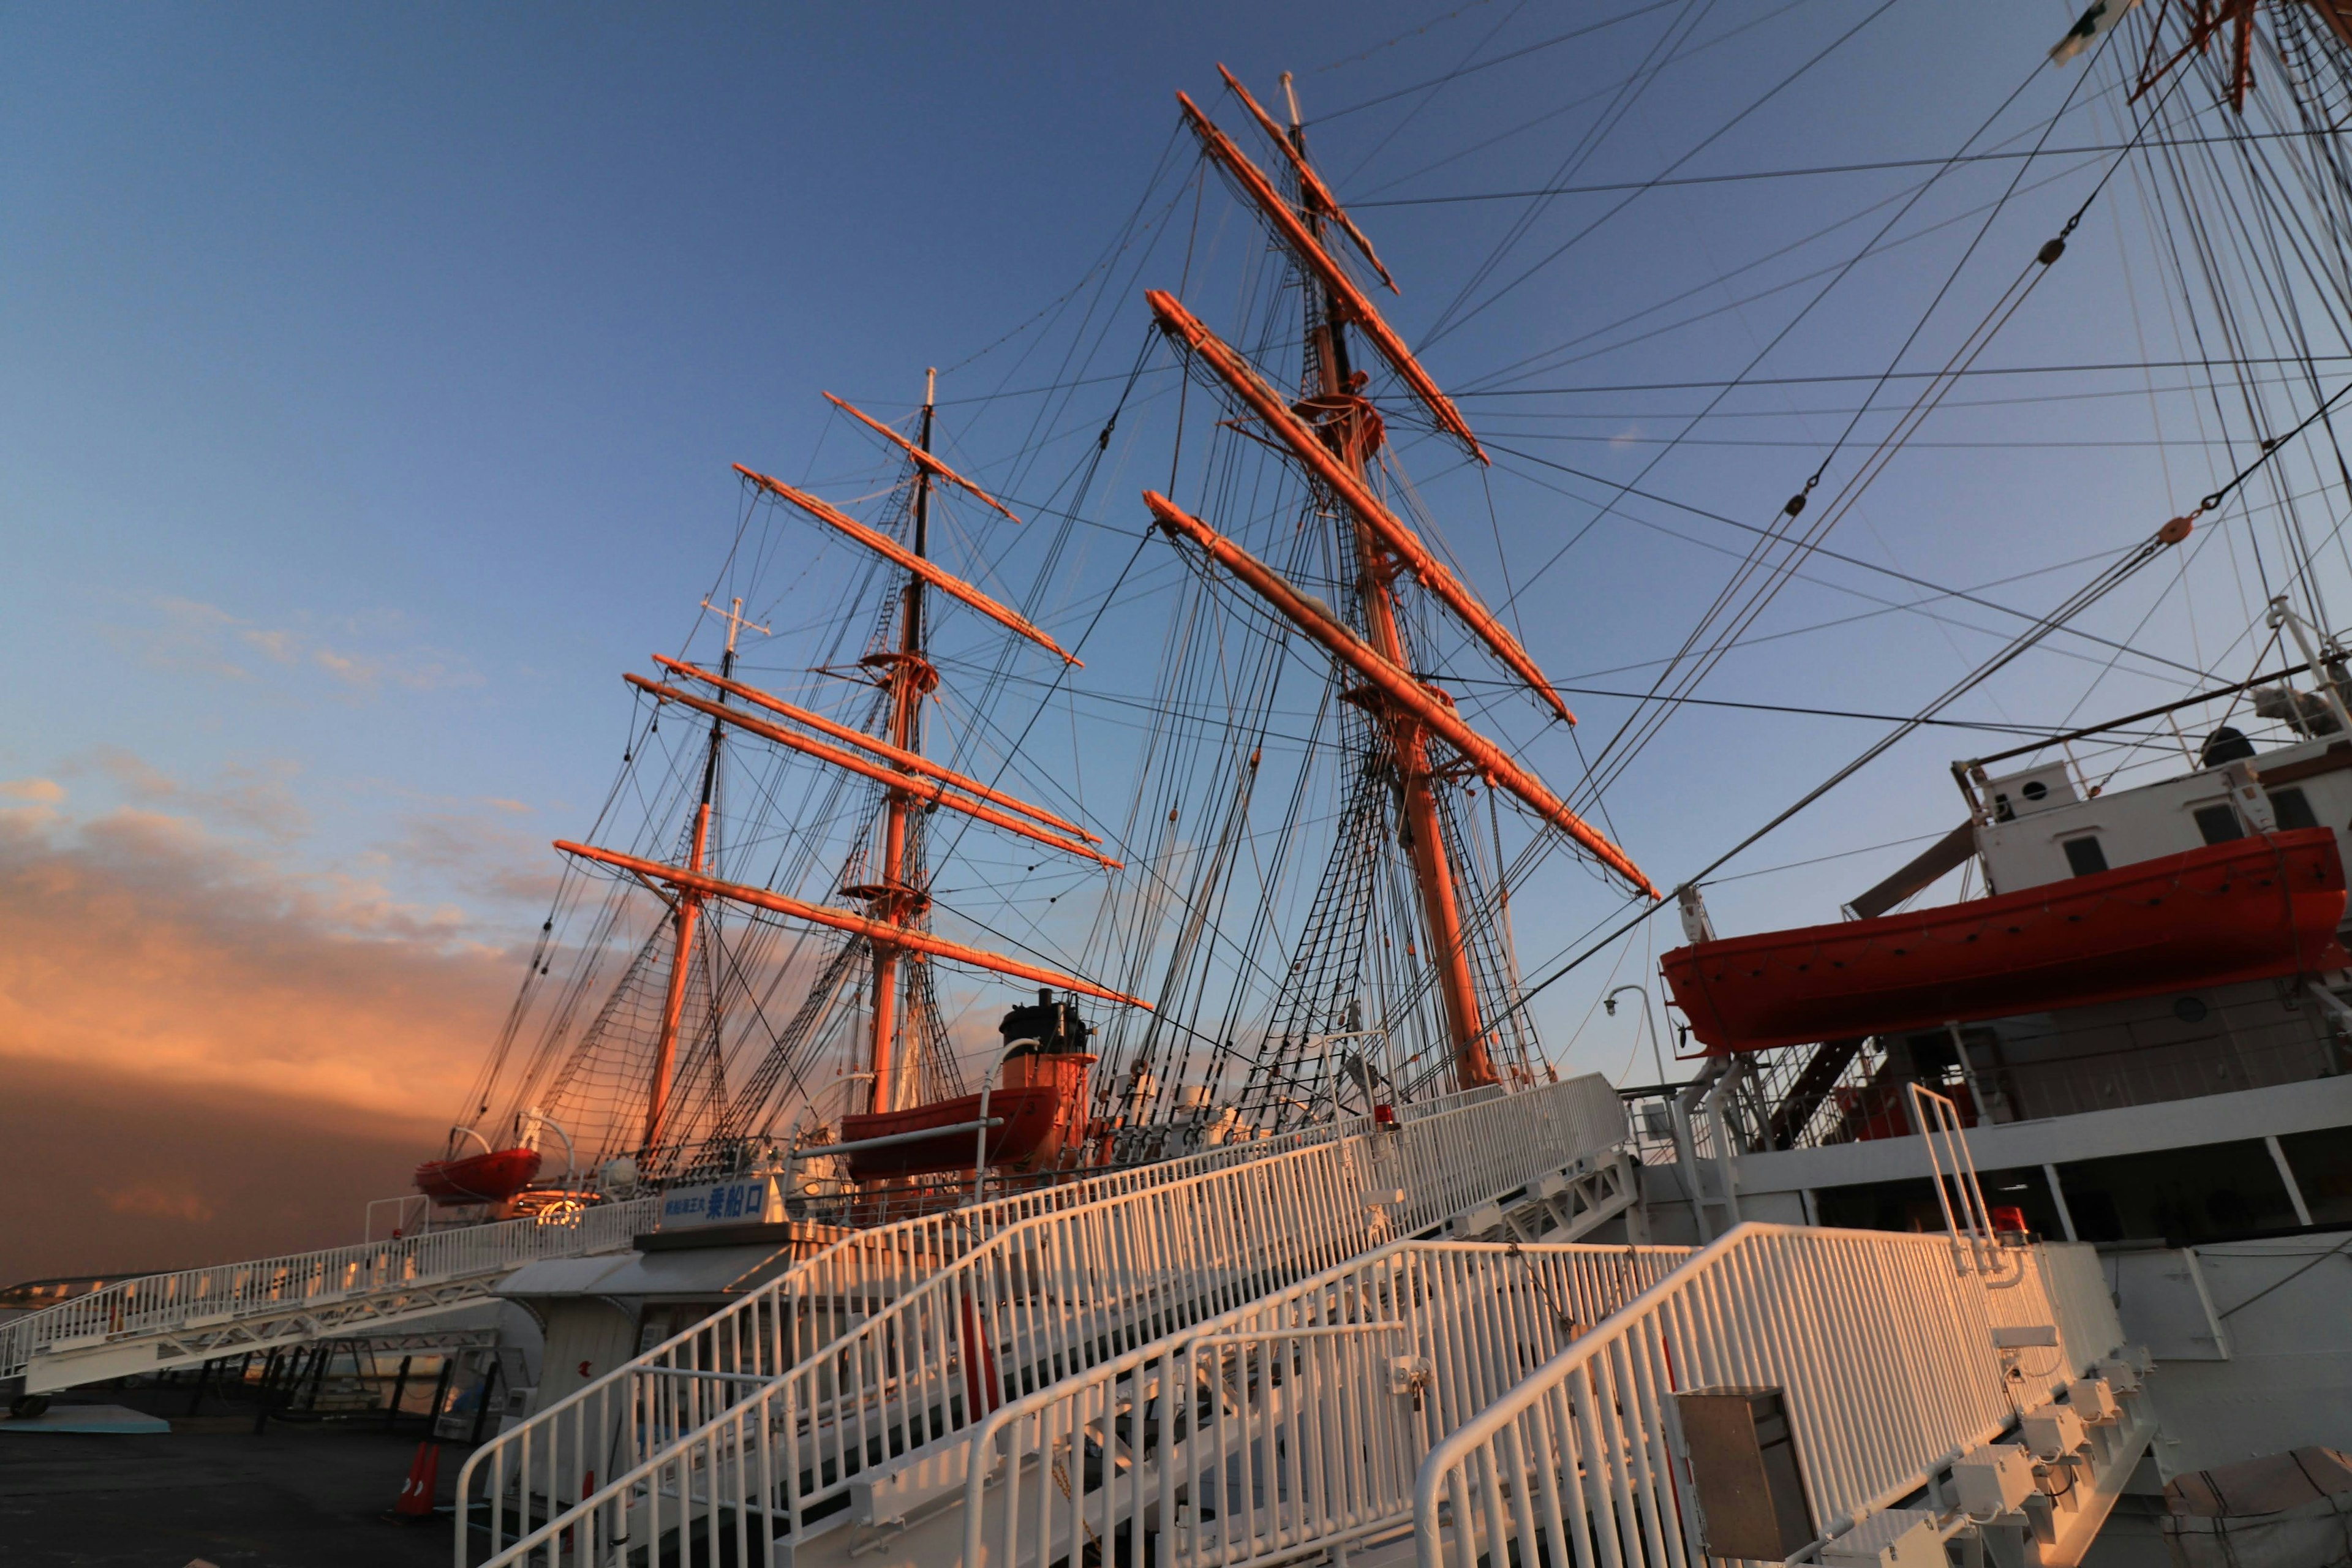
[1293,1426]
[897,1341]
[1890,1362]
[161,1320]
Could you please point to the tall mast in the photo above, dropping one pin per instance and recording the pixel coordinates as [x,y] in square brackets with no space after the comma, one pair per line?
[1356,430]
[893,901]
[686,912]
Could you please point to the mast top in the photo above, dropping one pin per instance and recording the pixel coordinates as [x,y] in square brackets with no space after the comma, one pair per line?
[1320,196]
[736,621]
[922,457]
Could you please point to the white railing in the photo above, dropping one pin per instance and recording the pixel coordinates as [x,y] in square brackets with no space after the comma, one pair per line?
[899,1339]
[226,1293]
[1883,1351]
[1296,1424]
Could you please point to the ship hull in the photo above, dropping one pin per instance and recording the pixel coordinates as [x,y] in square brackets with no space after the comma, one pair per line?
[2251,908]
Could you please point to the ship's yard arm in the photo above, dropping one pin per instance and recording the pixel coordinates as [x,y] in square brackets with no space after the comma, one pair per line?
[922,455]
[1390,529]
[891,550]
[875,931]
[937,794]
[913,761]
[1319,195]
[1399,686]
[1348,299]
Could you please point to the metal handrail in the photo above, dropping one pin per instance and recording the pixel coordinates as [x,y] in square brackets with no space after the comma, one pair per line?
[906,1337]
[558,1445]
[224,1292]
[1458,1325]
[1587,1449]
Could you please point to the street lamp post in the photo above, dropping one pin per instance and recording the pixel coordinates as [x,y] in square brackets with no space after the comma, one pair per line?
[1649,1021]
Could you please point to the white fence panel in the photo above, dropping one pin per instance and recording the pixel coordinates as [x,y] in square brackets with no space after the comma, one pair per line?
[225,1293]
[1881,1344]
[901,1337]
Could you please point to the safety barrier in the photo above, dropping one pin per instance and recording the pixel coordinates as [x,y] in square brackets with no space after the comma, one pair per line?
[1296,1423]
[903,1338]
[107,1332]
[1883,1347]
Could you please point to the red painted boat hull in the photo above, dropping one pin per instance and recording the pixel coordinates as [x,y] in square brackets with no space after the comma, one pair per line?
[2252,909]
[1041,1102]
[490,1178]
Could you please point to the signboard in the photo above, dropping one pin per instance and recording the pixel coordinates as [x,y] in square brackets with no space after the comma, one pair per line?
[746,1200]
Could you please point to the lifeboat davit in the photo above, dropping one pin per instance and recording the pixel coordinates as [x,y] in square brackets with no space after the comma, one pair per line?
[2251,909]
[491,1177]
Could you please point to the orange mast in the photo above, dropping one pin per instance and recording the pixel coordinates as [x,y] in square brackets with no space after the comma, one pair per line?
[849,761]
[911,677]
[1427,706]
[895,905]
[690,883]
[1311,184]
[913,560]
[1337,449]
[1343,472]
[1346,300]
[685,916]
[911,760]
[922,455]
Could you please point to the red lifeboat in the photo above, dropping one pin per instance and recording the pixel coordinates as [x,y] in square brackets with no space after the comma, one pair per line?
[1042,1102]
[491,1177]
[2251,908]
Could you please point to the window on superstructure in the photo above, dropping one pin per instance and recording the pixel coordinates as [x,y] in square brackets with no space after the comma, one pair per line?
[2085,856]
[2292,809]
[1909,1204]
[2322,1164]
[2218,823]
[2213,1192]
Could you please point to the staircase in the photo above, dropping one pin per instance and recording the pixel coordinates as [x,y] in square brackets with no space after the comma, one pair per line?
[163,1320]
[1453,1406]
[887,1348]
[1928,1388]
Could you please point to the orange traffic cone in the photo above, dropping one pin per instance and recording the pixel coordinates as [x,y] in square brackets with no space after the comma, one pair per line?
[424,1480]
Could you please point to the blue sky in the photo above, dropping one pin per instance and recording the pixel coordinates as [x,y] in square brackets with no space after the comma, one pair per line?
[369,381]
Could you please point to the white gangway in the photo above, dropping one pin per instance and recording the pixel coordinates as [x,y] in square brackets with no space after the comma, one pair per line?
[894,1343]
[159,1321]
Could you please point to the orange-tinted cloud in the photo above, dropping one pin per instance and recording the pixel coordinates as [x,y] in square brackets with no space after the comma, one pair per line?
[116,1173]
[366,653]
[158,1200]
[142,943]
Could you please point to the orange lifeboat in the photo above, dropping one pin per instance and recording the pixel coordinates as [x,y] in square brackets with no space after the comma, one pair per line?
[1040,1096]
[2251,908]
[491,1177]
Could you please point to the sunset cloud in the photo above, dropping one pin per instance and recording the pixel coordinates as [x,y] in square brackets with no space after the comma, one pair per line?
[359,654]
[41,792]
[152,1200]
[254,796]
[140,943]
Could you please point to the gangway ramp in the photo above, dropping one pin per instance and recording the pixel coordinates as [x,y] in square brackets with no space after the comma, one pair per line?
[896,1341]
[1453,1406]
[159,1321]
